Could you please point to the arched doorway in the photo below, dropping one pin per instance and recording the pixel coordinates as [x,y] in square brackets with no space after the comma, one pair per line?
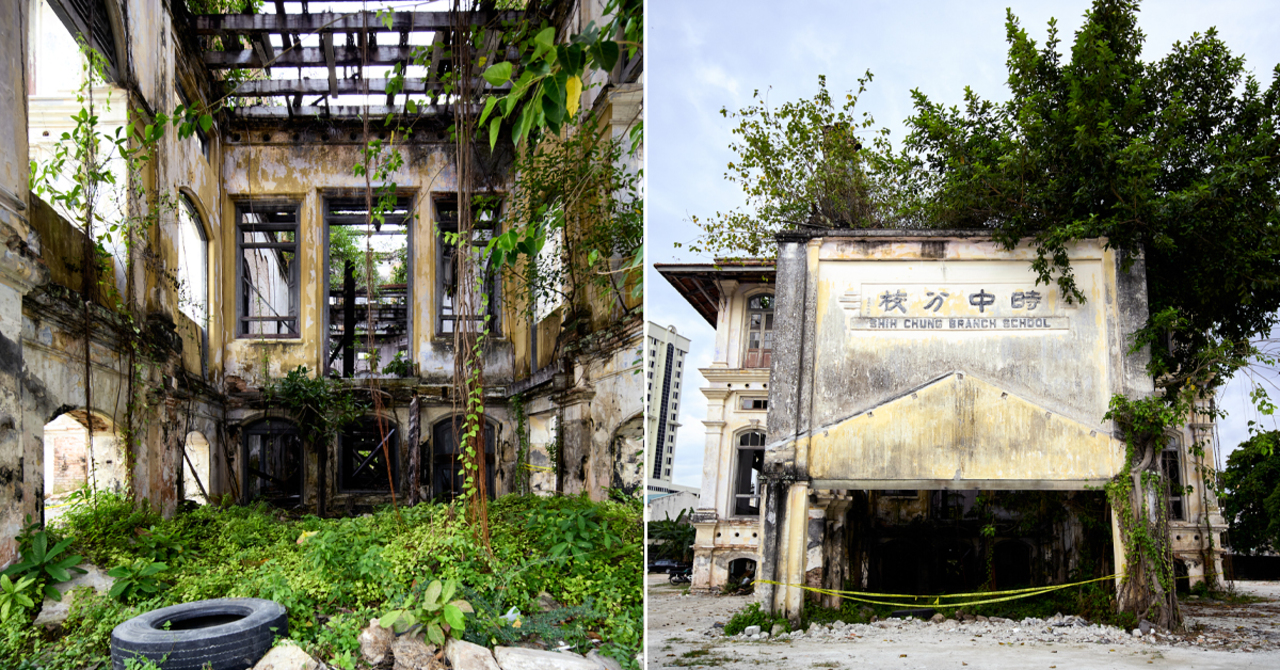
[195,468]
[443,467]
[73,460]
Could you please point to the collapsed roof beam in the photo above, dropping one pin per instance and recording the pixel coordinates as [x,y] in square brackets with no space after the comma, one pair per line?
[251,24]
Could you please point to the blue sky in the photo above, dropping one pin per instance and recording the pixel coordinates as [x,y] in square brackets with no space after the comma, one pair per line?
[702,56]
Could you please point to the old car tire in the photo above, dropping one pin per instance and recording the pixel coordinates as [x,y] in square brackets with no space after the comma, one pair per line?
[221,634]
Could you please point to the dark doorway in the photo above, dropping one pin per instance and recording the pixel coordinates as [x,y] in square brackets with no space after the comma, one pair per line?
[272,453]
[444,468]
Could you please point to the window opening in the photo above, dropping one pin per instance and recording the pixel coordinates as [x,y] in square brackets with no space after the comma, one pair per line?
[272,462]
[267,264]
[446,467]
[352,294]
[363,461]
[485,211]
[755,403]
[193,269]
[1171,463]
[759,331]
[746,487]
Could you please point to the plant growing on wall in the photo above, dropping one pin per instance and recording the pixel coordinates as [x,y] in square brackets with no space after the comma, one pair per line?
[813,161]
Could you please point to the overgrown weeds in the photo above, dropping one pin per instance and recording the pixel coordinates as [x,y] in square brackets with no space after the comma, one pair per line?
[335,575]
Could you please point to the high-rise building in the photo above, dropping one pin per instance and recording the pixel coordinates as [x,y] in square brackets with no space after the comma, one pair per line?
[665,353]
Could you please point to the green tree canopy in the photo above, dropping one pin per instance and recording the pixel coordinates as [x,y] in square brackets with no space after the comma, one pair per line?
[817,162]
[1176,159]
[1251,494]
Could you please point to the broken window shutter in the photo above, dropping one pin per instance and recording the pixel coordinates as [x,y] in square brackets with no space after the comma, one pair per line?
[89,21]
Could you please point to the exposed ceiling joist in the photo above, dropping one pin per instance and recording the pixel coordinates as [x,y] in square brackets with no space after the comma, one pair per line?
[336,111]
[250,24]
[271,87]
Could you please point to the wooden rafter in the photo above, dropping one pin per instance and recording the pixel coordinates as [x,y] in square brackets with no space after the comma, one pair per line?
[257,88]
[417,22]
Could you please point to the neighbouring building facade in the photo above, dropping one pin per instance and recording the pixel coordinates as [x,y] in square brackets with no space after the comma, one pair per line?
[879,398]
[664,378]
[243,267]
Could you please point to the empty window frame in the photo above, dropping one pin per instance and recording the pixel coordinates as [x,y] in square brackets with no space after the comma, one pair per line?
[746,485]
[444,469]
[759,331]
[193,266]
[1171,464]
[362,458]
[272,462]
[755,403]
[352,230]
[455,302]
[267,270]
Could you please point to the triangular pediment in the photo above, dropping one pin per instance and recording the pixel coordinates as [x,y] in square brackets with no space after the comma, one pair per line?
[958,427]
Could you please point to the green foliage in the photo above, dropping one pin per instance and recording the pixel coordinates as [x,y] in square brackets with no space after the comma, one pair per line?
[1250,494]
[15,597]
[1173,158]
[399,365]
[672,538]
[322,406]
[333,575]
[136,580]
[433,609]
[548,78]
[752,615]
[578,196]
[580,534]
[803,162]
[45,564]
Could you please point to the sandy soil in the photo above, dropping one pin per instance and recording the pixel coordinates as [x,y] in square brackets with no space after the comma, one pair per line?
[682,633]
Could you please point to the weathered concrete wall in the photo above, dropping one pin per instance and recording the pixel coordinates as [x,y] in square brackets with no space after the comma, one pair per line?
[281,169]
[21,470]
[923,360]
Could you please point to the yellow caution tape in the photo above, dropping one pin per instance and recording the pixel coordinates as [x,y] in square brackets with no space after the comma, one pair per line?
[545,468]
[937,599]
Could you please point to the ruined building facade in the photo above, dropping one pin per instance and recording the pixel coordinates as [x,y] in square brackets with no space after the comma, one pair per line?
[879,398]
[237,273]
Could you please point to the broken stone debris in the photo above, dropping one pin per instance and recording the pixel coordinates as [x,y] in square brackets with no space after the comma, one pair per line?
[287,656]
[54,612]
[382,648]
[1059,628]
[375,645]
[519,658]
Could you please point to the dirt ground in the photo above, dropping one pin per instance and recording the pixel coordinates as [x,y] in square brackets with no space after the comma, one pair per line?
[682,633]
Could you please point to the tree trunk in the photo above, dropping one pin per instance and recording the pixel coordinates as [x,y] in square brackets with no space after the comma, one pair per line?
[1147,590]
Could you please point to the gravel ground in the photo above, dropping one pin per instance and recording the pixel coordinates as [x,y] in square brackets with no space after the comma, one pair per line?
[683,632]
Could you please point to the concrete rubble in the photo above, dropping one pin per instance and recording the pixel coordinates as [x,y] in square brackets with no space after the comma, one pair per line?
[1058,629]
[382,648]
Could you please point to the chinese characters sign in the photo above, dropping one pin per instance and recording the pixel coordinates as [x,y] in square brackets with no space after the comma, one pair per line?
[953,307]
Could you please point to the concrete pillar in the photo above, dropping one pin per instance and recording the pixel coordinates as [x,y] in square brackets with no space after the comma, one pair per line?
[1117,542]
[835,548]
[771,542]
[790,598]
[576,443]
